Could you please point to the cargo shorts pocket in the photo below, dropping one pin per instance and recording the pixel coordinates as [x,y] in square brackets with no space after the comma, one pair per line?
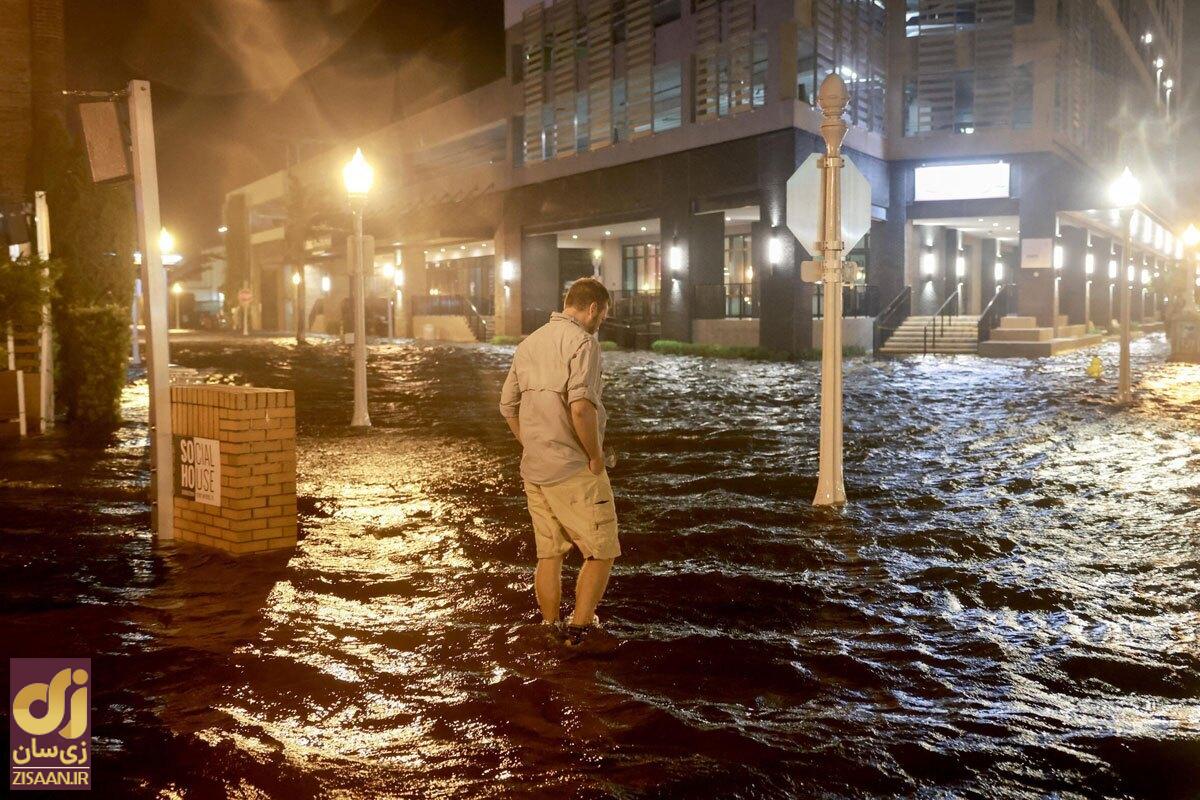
[604,518]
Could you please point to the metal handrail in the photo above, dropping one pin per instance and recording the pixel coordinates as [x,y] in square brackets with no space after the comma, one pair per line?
[858,300]
[891,317]
[938,323]
[996,308]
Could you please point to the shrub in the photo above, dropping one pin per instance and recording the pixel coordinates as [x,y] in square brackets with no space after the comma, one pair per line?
[94,348]
[608,346]
[24,289]
[505,340]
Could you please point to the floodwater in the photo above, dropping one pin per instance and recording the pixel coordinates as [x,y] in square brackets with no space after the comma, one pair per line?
[1008,608]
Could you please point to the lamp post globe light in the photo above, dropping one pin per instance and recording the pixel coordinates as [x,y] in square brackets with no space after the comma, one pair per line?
[358,176]
[1125,193]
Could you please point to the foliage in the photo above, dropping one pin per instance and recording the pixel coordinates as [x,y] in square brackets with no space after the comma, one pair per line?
[506,340]
[93,350]
[92,235]
[24,288]
[672,347]
[608,346]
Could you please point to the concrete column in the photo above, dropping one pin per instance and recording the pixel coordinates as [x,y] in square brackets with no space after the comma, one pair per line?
[1072,278]
[416,284]
[508,293]
[1037,289]
[987,271]
[1098,309]
[537,273]
[701,238]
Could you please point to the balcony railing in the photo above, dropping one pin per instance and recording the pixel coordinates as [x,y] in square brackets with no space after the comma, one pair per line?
[726,301]
[857,301]
[634,307]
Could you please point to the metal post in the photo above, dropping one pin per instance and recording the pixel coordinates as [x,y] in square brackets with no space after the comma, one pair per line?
[1123,383]
[136,310]
[830,486]
[154,279]
[360,419]
[46,354]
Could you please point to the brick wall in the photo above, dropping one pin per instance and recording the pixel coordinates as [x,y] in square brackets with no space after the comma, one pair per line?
[256,429]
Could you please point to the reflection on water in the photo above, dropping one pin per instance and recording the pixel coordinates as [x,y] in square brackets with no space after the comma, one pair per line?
[1008,607]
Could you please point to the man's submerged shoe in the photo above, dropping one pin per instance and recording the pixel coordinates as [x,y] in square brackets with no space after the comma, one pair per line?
[588,638]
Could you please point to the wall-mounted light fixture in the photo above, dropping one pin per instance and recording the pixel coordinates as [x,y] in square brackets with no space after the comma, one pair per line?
[1059,257]
[326,284]
[399,278]
[774,250]
[1145,277]
[928,265]
[675,257]
[295,279]
[960,267]
[998,273]
[507,271]
[1089,264]
[1112,270]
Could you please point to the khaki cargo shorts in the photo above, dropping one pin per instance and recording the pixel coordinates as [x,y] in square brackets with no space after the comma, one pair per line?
[579,511]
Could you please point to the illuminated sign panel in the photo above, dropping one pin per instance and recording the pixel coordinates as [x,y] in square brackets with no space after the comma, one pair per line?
[962,181]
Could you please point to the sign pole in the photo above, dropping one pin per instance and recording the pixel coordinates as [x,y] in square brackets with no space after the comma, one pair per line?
[1124,392]
[46,356]
[832,98]
[154,282]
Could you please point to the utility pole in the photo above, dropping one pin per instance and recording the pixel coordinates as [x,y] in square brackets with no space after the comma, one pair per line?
[46,351]
[832,98]
[154,281]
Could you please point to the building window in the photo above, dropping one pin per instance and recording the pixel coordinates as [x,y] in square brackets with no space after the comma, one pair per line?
[620,111]
[758,72]
[1023,96]
[667,97]
[664,11]
[641,268]
[739,276]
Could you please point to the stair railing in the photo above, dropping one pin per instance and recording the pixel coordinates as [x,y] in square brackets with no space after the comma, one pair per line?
[891,318]
[937,325]
[993,312]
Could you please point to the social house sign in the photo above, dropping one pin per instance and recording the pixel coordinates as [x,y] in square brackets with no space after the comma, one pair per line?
[198,469]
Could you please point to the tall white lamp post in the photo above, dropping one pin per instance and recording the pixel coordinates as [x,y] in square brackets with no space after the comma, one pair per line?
[358,176]
[1125,193]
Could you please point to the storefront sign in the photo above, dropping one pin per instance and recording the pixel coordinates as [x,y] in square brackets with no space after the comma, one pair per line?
[198,469]
[962,181]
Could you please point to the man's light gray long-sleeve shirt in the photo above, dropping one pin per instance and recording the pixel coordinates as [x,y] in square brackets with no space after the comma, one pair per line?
[556,365]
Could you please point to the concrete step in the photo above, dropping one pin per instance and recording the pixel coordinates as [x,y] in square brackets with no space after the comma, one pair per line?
[1022,335]
[1071,331]
[1018,322]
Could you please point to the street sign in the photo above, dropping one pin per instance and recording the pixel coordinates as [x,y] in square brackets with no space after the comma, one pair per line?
[804,194]
[245,296]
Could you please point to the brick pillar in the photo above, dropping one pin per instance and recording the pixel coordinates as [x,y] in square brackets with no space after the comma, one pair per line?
[254,431]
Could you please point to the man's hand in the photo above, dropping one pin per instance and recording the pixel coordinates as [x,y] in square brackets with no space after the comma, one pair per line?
[514,425]
[596,465]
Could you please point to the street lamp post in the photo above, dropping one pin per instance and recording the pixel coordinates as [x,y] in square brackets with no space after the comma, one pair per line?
[358,177]
[298,305]
[1125,193]
[176,291]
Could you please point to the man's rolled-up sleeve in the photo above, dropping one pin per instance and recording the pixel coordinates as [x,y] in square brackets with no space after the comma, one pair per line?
[510,395]
[583,373]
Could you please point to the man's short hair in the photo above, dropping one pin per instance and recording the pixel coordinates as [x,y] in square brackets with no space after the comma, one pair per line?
[586,291]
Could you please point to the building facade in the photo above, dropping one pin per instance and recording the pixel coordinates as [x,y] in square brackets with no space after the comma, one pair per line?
[32,77]
[649,142]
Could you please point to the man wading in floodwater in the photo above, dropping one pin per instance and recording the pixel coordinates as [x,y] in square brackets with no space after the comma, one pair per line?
[551,401]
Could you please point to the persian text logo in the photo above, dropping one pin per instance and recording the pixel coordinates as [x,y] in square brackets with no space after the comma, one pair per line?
[50,723]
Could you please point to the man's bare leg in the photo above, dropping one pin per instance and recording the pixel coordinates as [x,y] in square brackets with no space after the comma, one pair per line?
[589,588]
[547,582]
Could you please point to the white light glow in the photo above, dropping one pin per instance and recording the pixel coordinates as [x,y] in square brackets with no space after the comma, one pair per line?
[1126,190]
[326,284]
[1145,277]
[998,271]
[507,271]
[1059,256]
[962,181]
[774,250]
[928,264]
[358,175]
[295,279]
[177,288]
[1112,270]
[960,267]
[675,258]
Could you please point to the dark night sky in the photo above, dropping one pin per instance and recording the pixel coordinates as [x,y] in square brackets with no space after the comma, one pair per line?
[234,81]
